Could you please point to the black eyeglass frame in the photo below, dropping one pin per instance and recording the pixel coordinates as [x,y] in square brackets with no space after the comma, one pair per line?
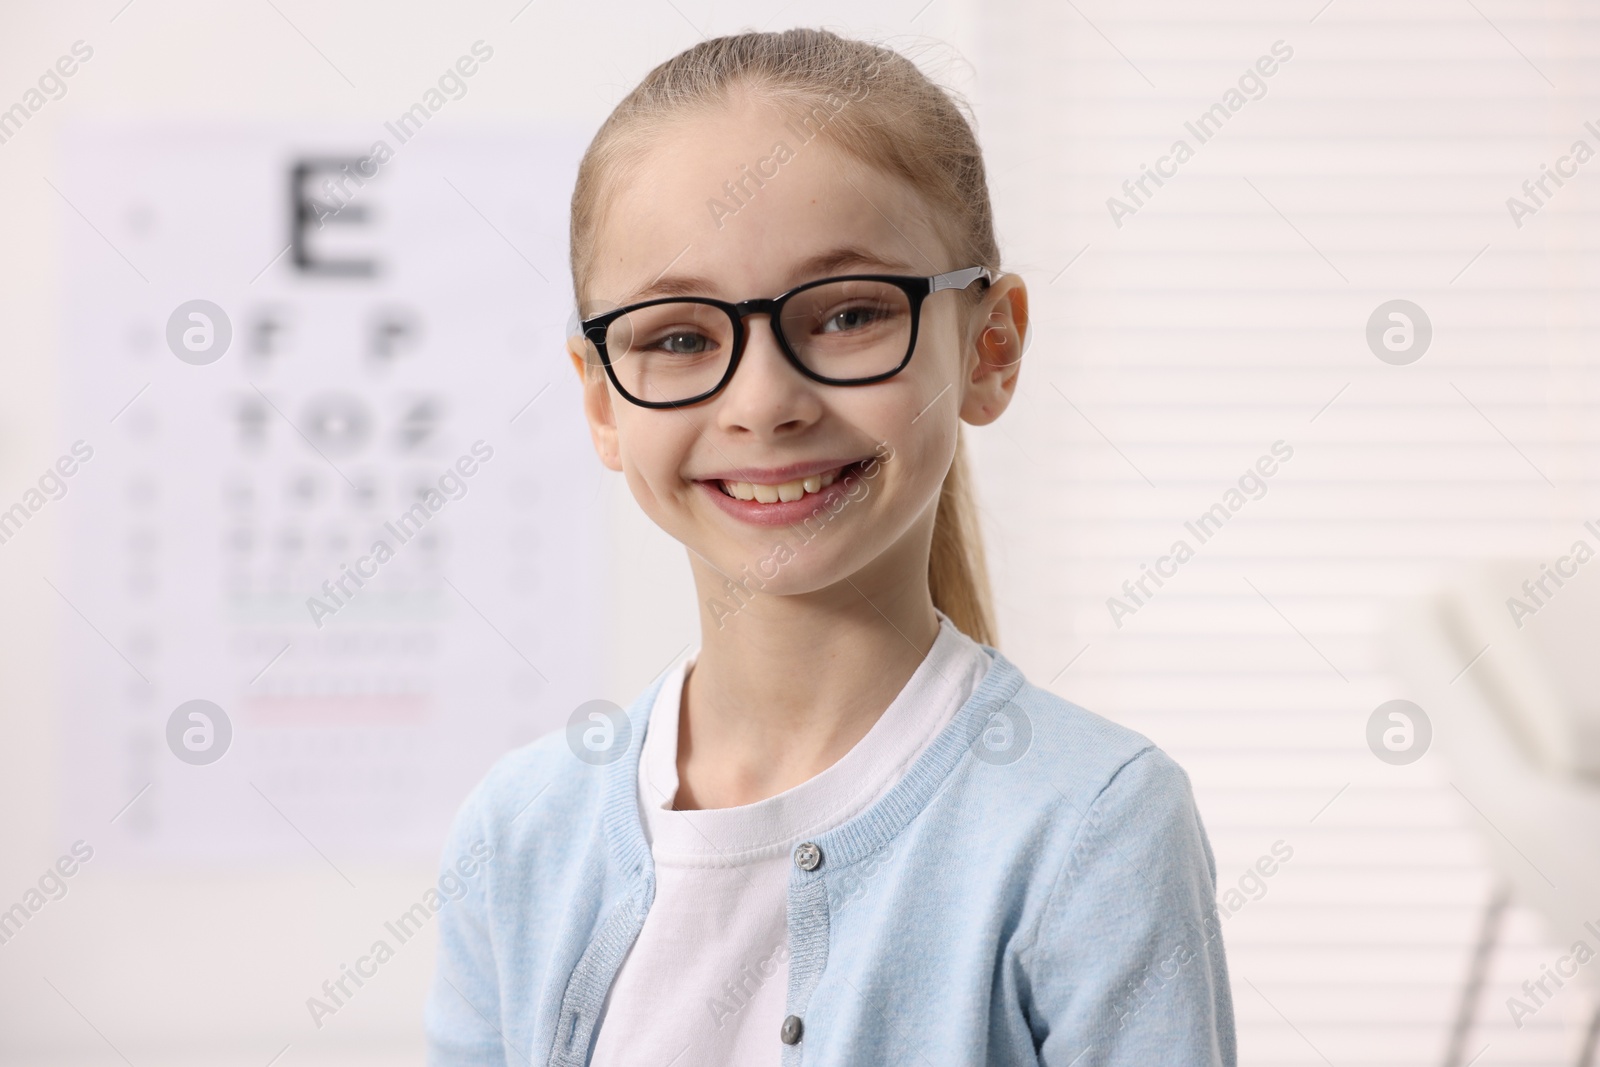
[917,289]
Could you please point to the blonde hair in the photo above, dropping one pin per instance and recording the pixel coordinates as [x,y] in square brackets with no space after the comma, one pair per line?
[893,118]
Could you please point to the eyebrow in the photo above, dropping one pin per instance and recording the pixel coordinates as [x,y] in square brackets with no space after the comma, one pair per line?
[820,265]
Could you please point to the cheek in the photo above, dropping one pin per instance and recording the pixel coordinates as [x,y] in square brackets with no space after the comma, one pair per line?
[653,446]
[639,485]
[928,457]
[941,337]
[923,442]
[938,378]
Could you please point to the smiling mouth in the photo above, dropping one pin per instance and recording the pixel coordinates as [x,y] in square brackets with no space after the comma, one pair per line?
[784,492]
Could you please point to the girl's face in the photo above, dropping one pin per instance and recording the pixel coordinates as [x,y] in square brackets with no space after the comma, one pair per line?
[672,228]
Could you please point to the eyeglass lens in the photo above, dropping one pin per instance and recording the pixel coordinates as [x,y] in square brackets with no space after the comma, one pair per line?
[845,330]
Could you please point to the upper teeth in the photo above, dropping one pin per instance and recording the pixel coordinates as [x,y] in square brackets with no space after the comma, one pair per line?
[771,494]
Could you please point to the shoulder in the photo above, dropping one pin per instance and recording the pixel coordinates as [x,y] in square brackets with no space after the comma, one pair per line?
[545,802]
[1121,766]
[524,794]
[1098,783]
[1080,751]
[1109,819]
[521,775]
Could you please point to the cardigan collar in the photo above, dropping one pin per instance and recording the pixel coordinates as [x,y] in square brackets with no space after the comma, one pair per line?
[865,833]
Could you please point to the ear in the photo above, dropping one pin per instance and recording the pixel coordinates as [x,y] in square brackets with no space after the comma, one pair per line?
[597,407]
[1001,331]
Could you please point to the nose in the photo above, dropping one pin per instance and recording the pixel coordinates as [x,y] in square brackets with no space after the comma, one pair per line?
[767,395]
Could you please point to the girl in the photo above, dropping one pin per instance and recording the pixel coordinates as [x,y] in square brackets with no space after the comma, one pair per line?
[845,829]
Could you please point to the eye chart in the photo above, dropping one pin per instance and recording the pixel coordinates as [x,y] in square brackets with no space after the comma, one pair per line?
[336,547]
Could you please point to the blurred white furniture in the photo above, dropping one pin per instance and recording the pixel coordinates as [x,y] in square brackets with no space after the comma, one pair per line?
[1519,731]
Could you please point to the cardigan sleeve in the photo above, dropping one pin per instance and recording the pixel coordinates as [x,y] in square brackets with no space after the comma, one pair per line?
[1125,967]
[462,1015]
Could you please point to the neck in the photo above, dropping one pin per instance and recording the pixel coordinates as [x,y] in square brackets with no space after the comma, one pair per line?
[785,686]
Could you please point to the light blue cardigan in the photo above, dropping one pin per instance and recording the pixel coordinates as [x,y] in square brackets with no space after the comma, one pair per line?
[1059,908]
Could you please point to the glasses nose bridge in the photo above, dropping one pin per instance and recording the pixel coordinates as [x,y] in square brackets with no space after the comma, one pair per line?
[768,306]
[756,306]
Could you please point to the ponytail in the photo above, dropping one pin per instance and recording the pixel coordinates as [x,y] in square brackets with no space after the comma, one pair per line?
[957,575]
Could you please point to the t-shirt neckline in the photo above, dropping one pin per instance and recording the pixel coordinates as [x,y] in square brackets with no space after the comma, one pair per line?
[748,833]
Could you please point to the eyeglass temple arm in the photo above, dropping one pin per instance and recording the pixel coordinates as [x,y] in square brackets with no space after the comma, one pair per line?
[960,279]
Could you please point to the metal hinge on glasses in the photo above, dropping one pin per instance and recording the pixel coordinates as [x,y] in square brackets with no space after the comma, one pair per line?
[960,279]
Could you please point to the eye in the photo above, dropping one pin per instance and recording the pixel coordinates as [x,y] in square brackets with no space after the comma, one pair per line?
[855,317]
[683,343]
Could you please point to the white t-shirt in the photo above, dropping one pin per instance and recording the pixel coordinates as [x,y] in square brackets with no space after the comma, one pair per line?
[705,983]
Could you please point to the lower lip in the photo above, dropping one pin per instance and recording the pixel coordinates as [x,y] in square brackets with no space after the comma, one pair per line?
[785,513]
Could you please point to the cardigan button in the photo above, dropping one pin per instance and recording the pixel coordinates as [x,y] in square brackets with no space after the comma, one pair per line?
[807,857]
[791,1030]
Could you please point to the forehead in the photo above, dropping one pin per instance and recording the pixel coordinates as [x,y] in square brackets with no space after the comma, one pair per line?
[745,200]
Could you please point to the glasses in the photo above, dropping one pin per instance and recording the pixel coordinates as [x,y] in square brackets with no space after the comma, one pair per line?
[850,330]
